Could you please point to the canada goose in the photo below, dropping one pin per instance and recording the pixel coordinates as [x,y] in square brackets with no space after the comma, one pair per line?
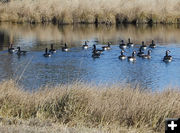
[122,56]
[96,50]
[148,56]
[122,45]
[108,47]
[11,49]
[46,54]
[20,52]
[167,57]
[52,50]
[132,58]
[65,48]
[130,44]
[152,45]
[96,54]
[140,53]
[85,46]
[143,46]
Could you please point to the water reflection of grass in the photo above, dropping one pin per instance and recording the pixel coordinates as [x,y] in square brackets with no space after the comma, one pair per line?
[87,105]
[73,35]
[86,11]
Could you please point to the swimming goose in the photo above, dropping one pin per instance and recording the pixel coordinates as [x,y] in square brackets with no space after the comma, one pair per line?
[143,46]
[96,50]
[108,47]
[152,45]
[65,48]
[20,52]
[132,58]
[96,54]
[122,56]
[11,49]
[85,46]
[140,53]
[52,50]
[46,54]
[130,44]
[148,56]
[122,45]
[167,57]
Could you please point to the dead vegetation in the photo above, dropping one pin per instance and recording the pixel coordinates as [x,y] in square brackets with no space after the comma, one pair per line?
[91,106]
[94,11]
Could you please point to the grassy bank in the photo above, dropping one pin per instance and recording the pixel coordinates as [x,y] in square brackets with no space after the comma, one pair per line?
[94,11]
[90,106]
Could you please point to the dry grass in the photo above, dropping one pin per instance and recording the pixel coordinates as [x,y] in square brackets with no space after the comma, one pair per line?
[91,106]
[41,127]
[13,125]
[91,11]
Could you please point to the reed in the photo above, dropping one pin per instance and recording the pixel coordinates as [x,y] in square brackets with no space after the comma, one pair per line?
[91,106]
[94,11]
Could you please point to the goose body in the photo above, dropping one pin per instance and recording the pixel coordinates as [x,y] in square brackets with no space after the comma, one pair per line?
[132,58]
[152,45]
[85,46]
[148,56]
[95,50]
[143,46]
[46,54]
[96,54]
[108,47]
[65,48]
[21,52]
[52,50]
[130,44]
[167,57]
[140,53]
[11,49]
[122,45]
[122,56]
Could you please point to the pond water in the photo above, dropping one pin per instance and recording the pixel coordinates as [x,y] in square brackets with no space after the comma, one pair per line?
[33,70]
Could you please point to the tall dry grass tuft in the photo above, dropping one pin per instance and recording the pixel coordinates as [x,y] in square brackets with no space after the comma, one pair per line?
[91,11]
[91,106]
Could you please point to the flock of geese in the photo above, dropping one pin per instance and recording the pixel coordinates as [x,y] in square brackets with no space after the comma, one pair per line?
[97,52]
[132,58]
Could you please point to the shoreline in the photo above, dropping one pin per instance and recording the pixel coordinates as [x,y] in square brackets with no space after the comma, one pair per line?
[91,106]
[93,23]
